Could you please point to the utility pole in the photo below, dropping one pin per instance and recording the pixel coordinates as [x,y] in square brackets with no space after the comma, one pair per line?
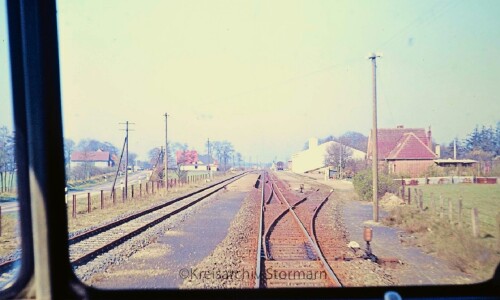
[126,155]
[209,159]
[373,58]
[166,154]
[455,149]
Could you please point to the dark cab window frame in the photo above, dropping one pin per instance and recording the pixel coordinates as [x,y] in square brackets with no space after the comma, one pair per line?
[38,122]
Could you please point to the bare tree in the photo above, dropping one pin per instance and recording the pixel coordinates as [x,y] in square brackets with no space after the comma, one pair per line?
[7,160]
[238,159]
[337,156]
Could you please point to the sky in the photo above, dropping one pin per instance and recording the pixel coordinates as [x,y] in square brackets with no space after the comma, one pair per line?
[268,75]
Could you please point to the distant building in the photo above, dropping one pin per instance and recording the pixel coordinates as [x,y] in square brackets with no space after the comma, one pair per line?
[97,158]
[314,157]
[404,151]
[190,161]
[209,162]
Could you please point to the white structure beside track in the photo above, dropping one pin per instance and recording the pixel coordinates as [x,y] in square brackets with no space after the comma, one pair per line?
[314,157]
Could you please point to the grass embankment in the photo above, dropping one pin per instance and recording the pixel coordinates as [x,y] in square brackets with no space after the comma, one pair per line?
[453,240]
[9,240]
[111,211]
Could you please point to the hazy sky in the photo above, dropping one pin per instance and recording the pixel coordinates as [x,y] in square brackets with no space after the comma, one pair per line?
[267,75]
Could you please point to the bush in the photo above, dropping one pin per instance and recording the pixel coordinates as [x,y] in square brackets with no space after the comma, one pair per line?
[362,182]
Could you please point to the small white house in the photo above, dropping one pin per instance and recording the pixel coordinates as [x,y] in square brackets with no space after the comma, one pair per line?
[97,158]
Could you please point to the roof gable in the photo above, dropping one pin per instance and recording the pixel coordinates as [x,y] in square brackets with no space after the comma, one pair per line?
[388,138]
[90,156]
[411,147]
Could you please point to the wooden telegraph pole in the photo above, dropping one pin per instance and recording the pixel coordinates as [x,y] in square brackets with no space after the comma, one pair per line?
[373,57]
[127,123]
[166,154]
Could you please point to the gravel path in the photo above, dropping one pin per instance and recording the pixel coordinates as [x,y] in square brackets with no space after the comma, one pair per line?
[177,247]
[416,267]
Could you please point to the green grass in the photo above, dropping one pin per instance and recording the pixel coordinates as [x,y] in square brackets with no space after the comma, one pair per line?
[453,241]
[484,197]
[9,240]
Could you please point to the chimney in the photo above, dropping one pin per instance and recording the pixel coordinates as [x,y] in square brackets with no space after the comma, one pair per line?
[313,142]
[438,151]
[429,137]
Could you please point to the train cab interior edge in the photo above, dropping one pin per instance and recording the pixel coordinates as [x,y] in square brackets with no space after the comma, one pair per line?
[46,272]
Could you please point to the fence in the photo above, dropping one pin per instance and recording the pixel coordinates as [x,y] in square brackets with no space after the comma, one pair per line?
[85,203]
[447,180]
[451,210]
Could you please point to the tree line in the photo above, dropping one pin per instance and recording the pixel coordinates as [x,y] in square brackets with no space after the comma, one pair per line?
[482,144]
[7,160]
[179,154]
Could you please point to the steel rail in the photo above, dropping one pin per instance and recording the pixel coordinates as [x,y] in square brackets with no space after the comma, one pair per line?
[107,247]
[326,266]
[259,240]
[85,235]
[8,265]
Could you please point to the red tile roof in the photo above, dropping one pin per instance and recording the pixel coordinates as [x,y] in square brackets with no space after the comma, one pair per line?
[411,147]
[388,139]
[90,156]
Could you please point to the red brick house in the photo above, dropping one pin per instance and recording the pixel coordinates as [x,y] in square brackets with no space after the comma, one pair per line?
[404,151]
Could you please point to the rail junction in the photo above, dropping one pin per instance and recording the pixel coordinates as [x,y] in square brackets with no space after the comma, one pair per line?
[288,254]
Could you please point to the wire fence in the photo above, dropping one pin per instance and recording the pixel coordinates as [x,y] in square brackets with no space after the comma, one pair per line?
[478,222]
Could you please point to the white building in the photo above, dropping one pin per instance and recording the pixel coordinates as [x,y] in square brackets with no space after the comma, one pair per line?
[314,157]
[97,158]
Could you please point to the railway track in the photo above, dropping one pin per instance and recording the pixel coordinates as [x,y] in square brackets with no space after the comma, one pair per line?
[288,254]
[86,246]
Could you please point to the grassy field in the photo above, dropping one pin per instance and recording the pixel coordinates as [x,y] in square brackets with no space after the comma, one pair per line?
[453,240]
[9,240]
[484,197]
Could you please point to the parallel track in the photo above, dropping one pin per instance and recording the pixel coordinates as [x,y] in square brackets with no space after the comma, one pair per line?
[288,255]
[86,246]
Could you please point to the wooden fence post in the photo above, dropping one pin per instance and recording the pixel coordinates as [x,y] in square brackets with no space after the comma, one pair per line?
[498,232]
[460,211]
[132,186]
[114,196]
[140,190]
[123,194]
[409,196]
[441,208]
[432,201]
[450,210]
[89,203]
[416,196]
[102,199]
[74,206]
[421,200]
[475,222]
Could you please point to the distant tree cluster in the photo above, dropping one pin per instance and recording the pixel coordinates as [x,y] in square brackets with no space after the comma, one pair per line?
[7,160]
[351,139]
[222,151]
[481,144]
